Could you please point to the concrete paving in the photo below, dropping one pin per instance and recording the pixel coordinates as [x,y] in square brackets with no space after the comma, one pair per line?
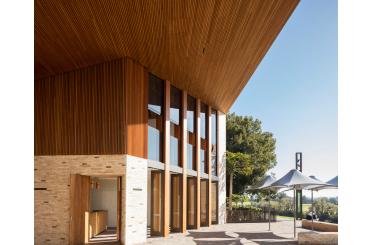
[235,233]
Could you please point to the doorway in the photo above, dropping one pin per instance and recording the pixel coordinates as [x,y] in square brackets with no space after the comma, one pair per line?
[155,206]
[191,202]
[95,209]
[175,205]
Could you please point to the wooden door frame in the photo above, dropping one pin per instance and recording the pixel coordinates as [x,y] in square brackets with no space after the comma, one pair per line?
[161,176]
[178,178]
[72,228]
[118,207]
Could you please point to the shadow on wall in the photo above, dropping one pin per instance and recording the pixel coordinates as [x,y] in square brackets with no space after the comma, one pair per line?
[222,188]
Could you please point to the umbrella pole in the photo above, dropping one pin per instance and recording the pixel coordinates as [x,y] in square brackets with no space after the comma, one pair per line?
[312,211]
[294,212]
[269,214]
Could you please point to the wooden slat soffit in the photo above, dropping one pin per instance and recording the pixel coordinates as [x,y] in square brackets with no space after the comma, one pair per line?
[209,48]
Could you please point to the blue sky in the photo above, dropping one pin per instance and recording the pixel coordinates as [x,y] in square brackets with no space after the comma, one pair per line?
[294,91]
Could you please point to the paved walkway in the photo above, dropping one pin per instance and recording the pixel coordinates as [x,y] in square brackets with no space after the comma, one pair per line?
[235,233]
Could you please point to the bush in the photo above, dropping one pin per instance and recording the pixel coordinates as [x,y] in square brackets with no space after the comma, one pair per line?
[326,211]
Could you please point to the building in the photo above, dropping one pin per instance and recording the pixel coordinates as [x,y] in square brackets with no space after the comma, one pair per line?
[130,103]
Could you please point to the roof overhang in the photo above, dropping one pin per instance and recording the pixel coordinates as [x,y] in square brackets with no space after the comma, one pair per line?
[209,48]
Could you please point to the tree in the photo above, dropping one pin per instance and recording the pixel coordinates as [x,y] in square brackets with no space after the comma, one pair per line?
[237,163]
[244,135]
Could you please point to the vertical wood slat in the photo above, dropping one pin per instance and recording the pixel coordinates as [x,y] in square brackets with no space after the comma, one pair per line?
[166,184]
[220,39]
[100,109]
[197,160]
[209,162]
[136,82]
[184,161]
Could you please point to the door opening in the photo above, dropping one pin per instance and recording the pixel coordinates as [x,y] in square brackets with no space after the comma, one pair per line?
[104,216]
[95,209]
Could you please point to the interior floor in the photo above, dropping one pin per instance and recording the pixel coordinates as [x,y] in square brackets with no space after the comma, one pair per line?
[108,236]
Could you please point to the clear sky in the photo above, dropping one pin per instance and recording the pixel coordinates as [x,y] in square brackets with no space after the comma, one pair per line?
[294,91]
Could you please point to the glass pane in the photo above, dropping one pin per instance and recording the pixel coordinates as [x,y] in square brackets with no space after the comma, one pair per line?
[154,144]
[175,130]
[190,113]
[174,151]
[175,105]
[191,137]
[203,120]
[155,111]
[202,161]
[190,156]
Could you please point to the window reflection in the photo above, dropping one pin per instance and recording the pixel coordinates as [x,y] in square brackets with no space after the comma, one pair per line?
[203,137]
[175,129]
[155,118]
[191,137]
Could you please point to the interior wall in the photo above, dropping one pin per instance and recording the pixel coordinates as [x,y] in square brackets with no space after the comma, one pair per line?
[105,198]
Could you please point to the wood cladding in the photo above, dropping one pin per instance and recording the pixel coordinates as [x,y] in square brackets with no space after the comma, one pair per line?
[96,110]
[136,82]
[209,48]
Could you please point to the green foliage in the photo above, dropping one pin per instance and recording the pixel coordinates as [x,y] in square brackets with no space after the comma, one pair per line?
[244,135]
[238,163]
[326,210]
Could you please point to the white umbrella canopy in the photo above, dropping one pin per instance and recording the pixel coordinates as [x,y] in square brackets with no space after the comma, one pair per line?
[321,185]
[331,184]
[333,181]
[265,183]
[296,180]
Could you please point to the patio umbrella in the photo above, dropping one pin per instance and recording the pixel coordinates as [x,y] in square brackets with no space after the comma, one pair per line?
[333,182]
[265,184]
[296,181]
[315,188]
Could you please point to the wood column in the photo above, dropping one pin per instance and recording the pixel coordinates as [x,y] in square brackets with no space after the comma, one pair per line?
[209,162]
[184,160]
[197,160]
[166,147]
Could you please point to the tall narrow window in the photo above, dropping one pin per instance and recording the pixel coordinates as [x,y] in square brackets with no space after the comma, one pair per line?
[155,118]
[175,130]
[214,143]
[191,134]
[203,137]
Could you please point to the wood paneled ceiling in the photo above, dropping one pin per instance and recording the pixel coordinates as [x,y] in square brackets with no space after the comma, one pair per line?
[209,48]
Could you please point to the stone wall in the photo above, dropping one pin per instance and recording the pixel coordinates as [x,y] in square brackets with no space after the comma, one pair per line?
[135,214]
[221,167]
